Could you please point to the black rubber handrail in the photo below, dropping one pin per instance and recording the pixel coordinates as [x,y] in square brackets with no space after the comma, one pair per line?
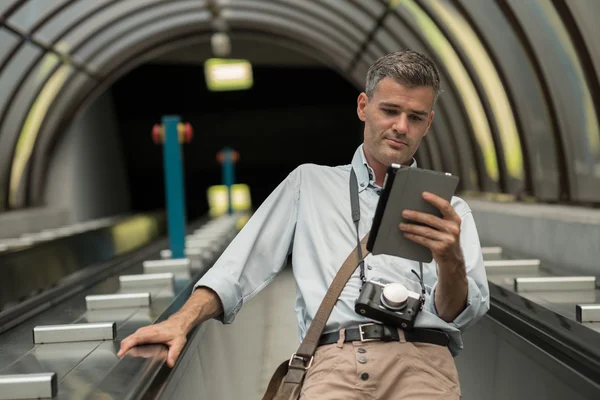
[35,278]
[570,342]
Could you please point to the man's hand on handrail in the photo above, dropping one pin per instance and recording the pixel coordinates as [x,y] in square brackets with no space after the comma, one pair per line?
[202,305]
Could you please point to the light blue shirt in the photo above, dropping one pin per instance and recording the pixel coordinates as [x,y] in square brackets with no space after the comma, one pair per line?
[309,216]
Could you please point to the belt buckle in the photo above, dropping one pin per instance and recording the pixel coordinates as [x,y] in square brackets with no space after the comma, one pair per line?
[305,367]
[362,334]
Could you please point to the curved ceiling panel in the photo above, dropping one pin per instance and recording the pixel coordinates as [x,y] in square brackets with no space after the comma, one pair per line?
[356,12]
[27,110]
[13,73]
[395,32]
[468,95]
[375,8]
[325,11]
[6,6]
[111,36]
[94,23]
[32,13]
[8,43]
[11,78]
[46,91]
[319,25]
[491,91]
[526,93]
[284,41]
[568,87]
[141,40]
[583,30]
[73,14]
[257,22]
[585,16]
[345,22]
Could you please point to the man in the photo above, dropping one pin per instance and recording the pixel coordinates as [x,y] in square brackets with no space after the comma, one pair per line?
[310,213]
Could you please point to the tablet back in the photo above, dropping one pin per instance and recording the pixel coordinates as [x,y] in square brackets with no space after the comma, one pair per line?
[402,192]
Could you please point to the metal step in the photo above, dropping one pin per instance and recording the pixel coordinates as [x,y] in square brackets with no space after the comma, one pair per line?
[177,266]
[588,312]
[554,283]
[28,386]
[147,280]
[122,300]
[492,253]
[74,332]
[512,266]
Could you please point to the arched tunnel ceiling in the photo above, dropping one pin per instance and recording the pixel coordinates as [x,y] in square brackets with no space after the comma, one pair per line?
[75,49]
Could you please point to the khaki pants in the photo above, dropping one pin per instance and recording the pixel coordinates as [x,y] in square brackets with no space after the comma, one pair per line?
[381,370]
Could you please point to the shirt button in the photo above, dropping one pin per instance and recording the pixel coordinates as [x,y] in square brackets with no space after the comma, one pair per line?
[362,185]
[362,359]
[364,376]
[361,350]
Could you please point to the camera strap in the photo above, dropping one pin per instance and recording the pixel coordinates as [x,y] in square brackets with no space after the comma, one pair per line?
[355,205]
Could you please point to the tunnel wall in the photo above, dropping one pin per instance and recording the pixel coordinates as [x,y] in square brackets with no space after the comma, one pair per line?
[87,176]
[564,237]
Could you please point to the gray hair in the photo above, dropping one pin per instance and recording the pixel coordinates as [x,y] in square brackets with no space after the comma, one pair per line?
[408,68]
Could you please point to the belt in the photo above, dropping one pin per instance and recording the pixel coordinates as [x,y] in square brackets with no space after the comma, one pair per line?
[371,332]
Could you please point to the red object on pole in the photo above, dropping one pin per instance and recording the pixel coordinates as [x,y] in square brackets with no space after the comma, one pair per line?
[189,132]
[156,137]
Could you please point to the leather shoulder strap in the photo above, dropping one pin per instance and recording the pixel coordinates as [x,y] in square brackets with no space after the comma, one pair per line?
[311,340]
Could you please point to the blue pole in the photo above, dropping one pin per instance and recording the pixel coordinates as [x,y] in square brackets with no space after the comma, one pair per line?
[228,174]
[174,186]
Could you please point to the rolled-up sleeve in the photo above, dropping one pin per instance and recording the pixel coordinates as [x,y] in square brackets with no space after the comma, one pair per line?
[258,252]
[478,302]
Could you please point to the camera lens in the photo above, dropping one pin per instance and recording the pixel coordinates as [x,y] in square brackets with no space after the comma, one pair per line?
[394,296]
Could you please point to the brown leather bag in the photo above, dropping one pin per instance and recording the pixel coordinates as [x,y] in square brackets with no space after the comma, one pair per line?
[286,382]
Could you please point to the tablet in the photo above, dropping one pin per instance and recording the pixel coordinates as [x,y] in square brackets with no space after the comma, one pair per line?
[402,189]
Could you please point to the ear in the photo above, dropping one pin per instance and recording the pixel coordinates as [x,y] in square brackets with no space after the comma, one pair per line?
[429,121]
[362,102]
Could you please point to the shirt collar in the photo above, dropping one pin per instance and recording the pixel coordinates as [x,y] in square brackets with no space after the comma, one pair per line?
[364,173]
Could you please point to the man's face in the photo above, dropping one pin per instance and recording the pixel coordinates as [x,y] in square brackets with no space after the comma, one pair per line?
[396,119]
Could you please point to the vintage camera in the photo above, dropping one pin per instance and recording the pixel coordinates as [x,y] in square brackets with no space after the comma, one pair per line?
[390,303]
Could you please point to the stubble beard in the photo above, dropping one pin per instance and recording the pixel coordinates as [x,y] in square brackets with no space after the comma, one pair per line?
[387,155]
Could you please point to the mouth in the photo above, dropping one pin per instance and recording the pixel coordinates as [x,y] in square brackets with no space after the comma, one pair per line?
[395,143]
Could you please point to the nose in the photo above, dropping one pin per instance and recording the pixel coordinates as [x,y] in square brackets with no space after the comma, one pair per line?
[401,124]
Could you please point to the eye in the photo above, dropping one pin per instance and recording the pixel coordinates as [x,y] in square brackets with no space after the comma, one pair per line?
[389,111]
[415,117]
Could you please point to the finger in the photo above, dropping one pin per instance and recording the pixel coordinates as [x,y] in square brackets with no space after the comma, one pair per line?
[127,344]
[429,243]
[424,231]
[424,218]
[141,336]
[174,352]
[444,206]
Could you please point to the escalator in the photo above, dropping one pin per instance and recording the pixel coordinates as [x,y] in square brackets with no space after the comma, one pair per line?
[521,349]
